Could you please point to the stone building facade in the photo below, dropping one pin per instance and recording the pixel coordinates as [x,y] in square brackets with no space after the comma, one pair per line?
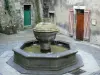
[62,8]
[57,10]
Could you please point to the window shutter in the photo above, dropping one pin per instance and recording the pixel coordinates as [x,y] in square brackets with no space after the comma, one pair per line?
[87,25]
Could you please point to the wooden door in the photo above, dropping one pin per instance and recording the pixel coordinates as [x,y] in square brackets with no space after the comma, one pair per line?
[80,24]
[27,15]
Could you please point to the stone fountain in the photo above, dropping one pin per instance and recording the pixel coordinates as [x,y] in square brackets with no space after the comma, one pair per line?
[46,55]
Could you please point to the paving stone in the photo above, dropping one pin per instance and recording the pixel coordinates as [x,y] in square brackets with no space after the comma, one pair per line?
[7,54]
[67,74]
[7,42]
[96,73]
[78,72]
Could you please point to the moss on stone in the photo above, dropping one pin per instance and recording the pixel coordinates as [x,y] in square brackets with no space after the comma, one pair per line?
[46,27]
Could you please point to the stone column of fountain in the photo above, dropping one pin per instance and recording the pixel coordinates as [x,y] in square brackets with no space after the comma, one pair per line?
[45,33]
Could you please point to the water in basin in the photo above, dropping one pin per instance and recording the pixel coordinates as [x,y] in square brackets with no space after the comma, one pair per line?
[36,49]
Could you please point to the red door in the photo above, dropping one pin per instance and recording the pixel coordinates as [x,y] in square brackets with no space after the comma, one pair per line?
[80,24]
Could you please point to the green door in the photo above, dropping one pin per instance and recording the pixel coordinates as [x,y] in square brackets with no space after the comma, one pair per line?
[27,15]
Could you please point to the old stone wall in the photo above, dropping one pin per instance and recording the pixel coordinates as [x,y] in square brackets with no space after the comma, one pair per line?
[18,12]
[4,16]
[60,8]
[13,14]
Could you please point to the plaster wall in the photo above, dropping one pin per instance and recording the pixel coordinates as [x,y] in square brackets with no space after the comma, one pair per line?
[62,11]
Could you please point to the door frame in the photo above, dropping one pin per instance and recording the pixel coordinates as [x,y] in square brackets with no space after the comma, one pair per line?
[75,13]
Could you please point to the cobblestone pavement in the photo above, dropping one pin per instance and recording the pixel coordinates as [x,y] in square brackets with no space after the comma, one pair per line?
[96,73]
[7,42]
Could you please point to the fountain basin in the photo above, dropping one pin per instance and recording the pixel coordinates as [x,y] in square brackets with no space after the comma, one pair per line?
[45,61]
[45,39]
[45,33]
[46,56]
[45,36]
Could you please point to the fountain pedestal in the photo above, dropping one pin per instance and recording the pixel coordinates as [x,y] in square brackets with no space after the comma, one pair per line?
[45,39]
[45,33]
[45,47]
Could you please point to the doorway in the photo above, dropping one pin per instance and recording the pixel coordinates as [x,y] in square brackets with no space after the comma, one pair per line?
[27,15]
[79,24]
